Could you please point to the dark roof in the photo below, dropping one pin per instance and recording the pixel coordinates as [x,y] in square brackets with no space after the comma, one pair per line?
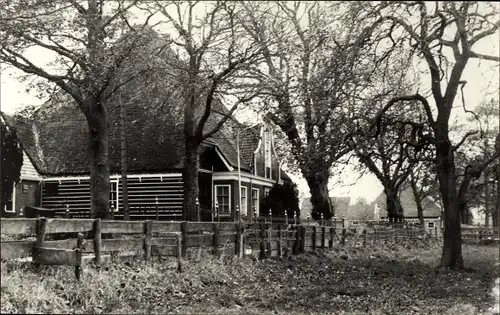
[362,211]
[340,205]
[431,208]
[56,139]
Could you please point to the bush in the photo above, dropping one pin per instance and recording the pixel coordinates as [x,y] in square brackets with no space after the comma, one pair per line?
[282,198]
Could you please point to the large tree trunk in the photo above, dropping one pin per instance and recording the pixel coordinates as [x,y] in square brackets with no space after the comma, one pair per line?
[462,208]
[124,166]
[394,209]
[496,213]
[99,171]
[452,247]
[191,165]
[418,200]
[486,199]
[320,199]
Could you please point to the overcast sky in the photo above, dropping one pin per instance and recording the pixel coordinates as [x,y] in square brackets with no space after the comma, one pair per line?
[482,84]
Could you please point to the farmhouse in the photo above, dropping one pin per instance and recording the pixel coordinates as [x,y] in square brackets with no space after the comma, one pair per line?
[376,210]
[55,172]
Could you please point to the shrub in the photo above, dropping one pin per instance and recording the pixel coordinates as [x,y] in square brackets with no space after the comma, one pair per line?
[281,198]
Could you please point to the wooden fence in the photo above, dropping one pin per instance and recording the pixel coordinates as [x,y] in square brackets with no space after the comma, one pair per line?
[480,235]
[55,241]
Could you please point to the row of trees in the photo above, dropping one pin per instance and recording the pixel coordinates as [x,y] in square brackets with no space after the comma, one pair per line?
[337,78]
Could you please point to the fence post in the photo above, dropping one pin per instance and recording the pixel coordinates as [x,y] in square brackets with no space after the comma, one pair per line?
[270,240]
[262,241]
[241,230]
[344,233]
[97,241]
[79,249]
[302,239]
[364,237]
[314,238]
[184,238]
[212,211]
[323,237]
[40,236]
[330,241]
[280,240]
[216,240]
[296,244]
[237,244]
[179,253]
[147,239]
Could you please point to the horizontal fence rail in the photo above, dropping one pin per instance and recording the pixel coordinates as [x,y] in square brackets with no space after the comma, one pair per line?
[56,241]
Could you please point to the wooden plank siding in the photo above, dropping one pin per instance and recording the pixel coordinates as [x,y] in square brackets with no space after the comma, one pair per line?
[143,195]
[71,193]
[28,171]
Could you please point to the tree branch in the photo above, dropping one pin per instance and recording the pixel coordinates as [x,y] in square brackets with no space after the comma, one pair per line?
[228,115]
[484,57]
[395,100]
[468,134]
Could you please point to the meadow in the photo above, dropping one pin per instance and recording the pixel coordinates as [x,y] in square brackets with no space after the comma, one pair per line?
[382,279]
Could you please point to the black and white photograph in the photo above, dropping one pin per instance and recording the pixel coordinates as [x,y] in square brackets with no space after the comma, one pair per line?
[249,157]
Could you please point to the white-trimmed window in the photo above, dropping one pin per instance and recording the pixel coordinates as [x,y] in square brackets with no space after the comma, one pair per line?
[113,196]
[266,192]
[9,204]
[255,200]
[267,151]
[430,225]
[223,197]
[243,200]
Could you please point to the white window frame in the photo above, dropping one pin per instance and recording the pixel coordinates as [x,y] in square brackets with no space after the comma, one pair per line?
[244,200]
[116,201]
[429,223]
[256,205]
[217,200]
[267,190]
[267,154]
[13,199]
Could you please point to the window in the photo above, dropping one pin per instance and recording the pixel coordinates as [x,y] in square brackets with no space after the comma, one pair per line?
[255,200]
[25,188]
[266,191]
[430,225]
[51,189]
[113,196]
[9,204]
[267,155]
[223,198]
[243,201]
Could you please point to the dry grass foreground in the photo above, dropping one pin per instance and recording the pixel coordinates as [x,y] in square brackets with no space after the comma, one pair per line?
[379,280]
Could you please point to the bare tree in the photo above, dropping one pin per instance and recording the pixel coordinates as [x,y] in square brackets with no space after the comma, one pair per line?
[392,156]
[427,28]
[88,49]
[313,61]
[209,43]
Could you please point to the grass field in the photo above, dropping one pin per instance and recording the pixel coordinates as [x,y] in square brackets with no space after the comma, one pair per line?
[344,281]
